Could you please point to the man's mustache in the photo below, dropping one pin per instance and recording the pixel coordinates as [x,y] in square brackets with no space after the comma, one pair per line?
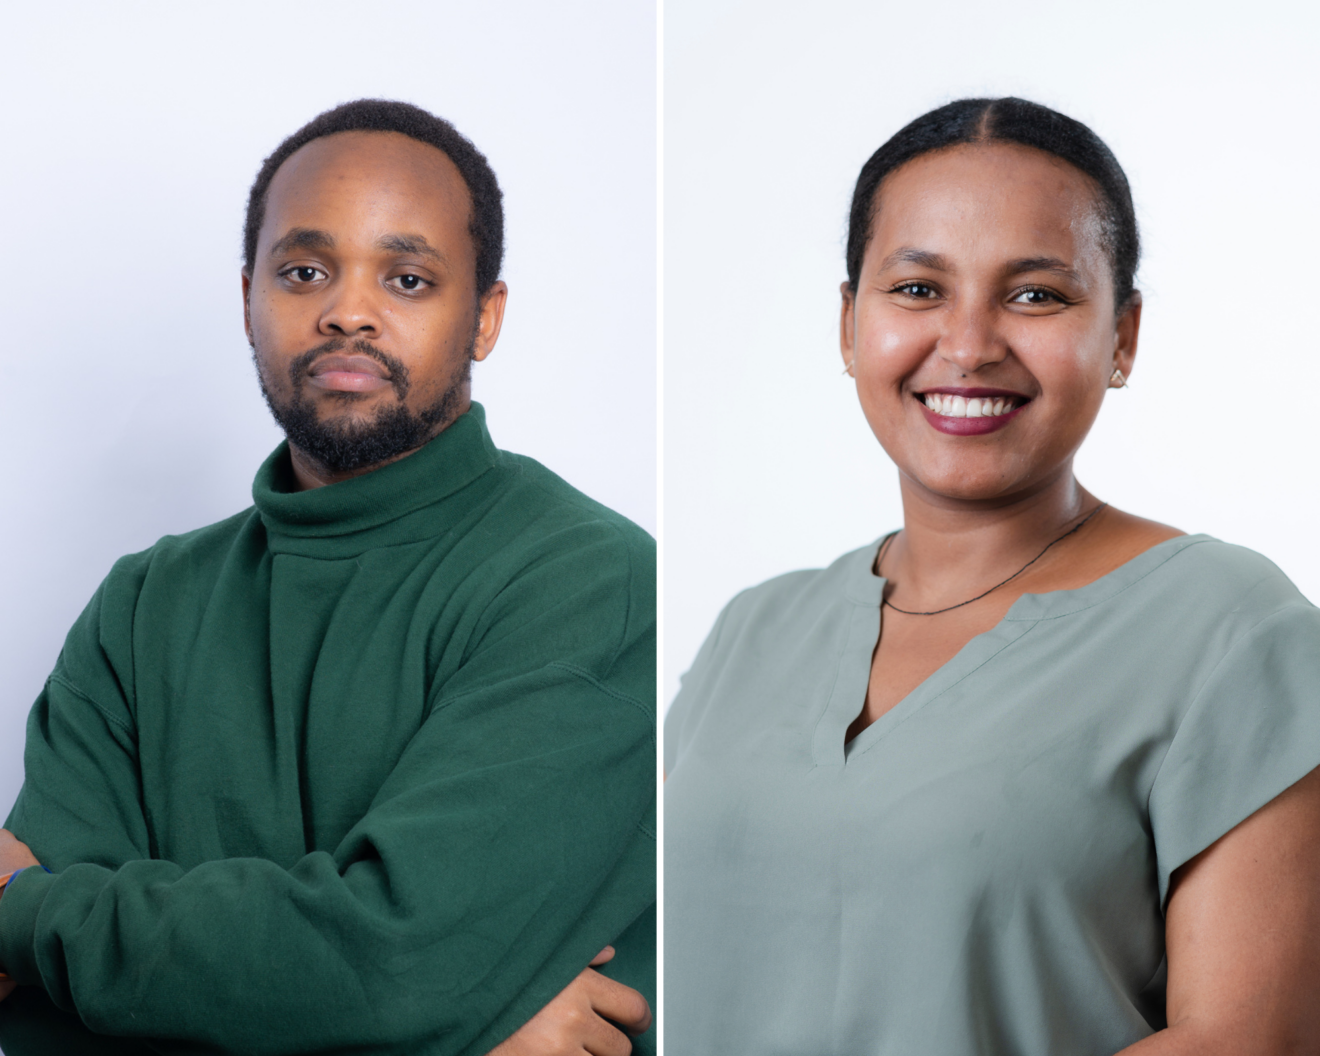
[398,371]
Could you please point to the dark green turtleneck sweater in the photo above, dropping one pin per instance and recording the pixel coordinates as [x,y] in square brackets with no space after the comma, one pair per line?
[368,768]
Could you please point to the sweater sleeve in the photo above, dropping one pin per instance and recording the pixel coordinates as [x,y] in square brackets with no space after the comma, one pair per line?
[82,790]
[512,841]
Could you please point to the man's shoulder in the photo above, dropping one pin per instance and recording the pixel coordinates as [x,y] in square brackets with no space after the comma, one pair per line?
[544,512]
[186,553]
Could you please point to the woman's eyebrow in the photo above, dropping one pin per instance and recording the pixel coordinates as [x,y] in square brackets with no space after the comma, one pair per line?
[1054,264]
[912,255]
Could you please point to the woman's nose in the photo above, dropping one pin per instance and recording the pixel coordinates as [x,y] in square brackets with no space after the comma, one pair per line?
[972,339]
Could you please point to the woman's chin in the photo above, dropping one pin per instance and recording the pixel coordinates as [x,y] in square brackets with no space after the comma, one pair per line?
[958,485]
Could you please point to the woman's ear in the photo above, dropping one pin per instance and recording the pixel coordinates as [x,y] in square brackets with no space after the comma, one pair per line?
[847,327]
[1125,335]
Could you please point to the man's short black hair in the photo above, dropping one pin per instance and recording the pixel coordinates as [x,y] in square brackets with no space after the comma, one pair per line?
[486,224]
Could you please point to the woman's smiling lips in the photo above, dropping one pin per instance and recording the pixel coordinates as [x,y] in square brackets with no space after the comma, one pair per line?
[970,412]
[349,373]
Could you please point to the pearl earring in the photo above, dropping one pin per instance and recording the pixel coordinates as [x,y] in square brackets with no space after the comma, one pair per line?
[1117,380]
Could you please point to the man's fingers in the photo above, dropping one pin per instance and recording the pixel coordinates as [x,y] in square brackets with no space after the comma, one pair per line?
[624,1005]
[6,989]
[604,957]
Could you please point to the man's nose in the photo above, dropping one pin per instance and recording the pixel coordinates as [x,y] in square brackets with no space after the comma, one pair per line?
[353,310]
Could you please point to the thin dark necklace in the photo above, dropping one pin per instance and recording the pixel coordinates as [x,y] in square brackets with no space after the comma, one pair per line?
[907,612]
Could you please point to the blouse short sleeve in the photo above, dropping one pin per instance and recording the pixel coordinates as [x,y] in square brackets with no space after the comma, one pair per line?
[1251,731]
[678,713]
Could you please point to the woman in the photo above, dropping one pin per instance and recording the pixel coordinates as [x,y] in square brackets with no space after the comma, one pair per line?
[1031,775]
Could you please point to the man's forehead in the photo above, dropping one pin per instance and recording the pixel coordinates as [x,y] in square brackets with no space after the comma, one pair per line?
[376,171]
[370,146]
[388,159]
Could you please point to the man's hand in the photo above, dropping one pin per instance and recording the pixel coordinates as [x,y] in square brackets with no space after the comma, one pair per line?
[574,1022]
[14,855]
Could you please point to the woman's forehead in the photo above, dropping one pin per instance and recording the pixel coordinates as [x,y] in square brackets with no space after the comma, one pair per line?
[987,199]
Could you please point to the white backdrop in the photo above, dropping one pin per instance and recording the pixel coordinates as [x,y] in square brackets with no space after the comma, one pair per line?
[131,132]
[771,109]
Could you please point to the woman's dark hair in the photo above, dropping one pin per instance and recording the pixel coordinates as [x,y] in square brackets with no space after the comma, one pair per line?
[486,224]
[1007,120]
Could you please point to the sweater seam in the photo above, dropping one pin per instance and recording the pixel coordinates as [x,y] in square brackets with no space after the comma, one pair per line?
[610,691]
[576,672]
[618,535]
[517,468]
[105,714]
[628,605]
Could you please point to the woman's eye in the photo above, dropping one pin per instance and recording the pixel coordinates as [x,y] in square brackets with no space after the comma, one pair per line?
[409,282]
[916,289]
[1035,297]
[304,273]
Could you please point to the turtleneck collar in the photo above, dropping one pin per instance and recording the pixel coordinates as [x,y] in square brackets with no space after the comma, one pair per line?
[354,515]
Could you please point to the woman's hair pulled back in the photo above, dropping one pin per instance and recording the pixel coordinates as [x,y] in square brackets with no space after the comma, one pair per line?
[1007,120]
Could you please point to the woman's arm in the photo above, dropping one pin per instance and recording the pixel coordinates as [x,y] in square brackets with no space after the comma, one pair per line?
[1243,938]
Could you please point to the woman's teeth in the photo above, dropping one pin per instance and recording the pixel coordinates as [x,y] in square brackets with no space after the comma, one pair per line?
[959,407]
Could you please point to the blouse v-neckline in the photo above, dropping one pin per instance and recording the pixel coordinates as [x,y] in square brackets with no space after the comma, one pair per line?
[861,631]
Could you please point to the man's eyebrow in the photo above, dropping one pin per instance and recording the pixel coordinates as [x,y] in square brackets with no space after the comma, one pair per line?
[302,238]
[912,255]
[1054,264]
[417,244]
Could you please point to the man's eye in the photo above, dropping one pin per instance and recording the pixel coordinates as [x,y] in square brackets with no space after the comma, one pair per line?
[303,273]
[409,282]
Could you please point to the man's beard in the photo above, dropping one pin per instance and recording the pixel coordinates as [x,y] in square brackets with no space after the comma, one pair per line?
[343,445]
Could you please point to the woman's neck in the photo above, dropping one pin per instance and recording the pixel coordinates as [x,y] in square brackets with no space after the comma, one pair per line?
[951,550]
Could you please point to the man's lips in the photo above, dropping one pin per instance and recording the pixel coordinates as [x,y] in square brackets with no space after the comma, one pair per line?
[348,373]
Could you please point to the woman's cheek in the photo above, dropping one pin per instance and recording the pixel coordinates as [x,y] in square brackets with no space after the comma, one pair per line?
[887,341]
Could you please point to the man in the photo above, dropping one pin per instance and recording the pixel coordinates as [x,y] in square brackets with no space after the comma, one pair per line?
[368,767]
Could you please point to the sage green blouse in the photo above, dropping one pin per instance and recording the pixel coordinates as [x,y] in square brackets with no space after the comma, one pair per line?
[983,869]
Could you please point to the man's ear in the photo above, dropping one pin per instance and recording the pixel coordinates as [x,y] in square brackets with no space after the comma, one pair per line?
[247,304]
[490,317]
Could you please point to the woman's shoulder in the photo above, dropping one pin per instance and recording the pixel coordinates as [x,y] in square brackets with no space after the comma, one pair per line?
[777,629]
[789,609]
[1214,572]
[1195,598]
[802,594]
[1203,565]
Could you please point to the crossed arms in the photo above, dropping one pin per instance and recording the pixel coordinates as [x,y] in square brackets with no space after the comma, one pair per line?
[512,840]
